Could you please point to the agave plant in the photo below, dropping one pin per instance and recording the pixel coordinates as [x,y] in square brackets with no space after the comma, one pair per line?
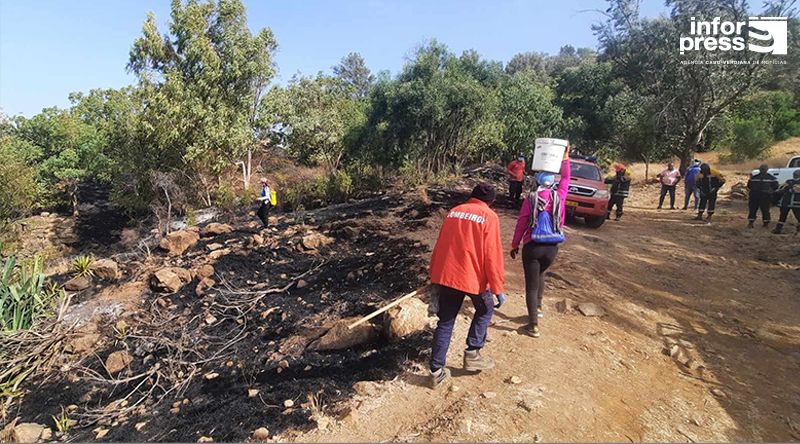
[82,265]
[23,296]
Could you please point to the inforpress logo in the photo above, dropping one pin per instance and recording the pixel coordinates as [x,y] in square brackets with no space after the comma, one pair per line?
[764,29]
[764,35]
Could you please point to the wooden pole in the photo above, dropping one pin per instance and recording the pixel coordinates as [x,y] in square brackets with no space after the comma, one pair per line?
[386,307]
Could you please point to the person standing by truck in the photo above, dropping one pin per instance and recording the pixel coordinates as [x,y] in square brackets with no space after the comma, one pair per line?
[761,187]
[620,188]
[516,176]
[709,181]
[789,195]
[467,260]
[690,185]
[541,225]
[669,180]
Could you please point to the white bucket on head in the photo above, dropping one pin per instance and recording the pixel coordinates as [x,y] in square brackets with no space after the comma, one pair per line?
[548,154]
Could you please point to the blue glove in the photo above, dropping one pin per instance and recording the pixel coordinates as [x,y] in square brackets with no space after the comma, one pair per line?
[501,299]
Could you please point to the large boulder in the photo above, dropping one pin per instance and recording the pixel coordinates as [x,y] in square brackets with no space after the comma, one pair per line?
[590,309]
[177,242]
[170,279]
[314,241]
[105,269]
[405,319]
[215,229]
[118,361]
[339,337]
[78,283]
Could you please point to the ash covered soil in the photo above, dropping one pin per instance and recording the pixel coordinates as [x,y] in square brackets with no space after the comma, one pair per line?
[226,362]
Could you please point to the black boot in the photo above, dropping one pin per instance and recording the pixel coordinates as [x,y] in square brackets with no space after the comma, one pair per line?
[699,216]
[778,229]
[750,224]
[766,223]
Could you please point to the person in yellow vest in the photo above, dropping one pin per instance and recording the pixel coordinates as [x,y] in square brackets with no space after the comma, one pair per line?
[266,201]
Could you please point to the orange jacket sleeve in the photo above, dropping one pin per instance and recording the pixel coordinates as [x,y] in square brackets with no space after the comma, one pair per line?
[493,265]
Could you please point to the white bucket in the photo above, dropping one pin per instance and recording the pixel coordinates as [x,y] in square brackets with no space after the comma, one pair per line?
[548,154]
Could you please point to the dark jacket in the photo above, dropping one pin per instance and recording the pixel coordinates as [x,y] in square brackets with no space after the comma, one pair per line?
[620,184]
[762,185]
[789,194]
[711,183]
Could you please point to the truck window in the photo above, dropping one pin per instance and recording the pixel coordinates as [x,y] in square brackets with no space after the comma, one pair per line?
[794,163]
[588,172]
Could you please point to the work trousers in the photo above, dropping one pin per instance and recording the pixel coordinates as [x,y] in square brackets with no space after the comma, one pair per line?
[450,301]
[759,202]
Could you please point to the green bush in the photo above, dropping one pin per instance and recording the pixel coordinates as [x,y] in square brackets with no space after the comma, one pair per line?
[225,197]
[82,265]
[339,187]
[19,191]
[24,299]
[751,139]
[365,178]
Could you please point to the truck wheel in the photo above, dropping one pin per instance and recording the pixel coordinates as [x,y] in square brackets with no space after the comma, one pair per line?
[594,221]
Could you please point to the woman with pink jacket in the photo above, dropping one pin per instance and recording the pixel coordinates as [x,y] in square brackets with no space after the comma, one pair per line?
[540,227]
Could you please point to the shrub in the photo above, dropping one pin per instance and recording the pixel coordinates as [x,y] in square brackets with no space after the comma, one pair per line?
[751,139]
[82,265]
[191,217]
[225,197]
[24,298]
[19,191]
[339,186]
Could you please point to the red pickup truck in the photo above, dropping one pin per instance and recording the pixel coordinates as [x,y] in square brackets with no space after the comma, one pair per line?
[588,195]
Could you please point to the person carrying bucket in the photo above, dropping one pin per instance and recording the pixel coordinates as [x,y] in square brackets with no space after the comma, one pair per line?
[540,227]
[467,260]
[620,188]
[516,175]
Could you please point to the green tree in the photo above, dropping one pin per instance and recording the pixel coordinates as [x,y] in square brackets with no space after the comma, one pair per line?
[355,76]
[527,112]
[687,91]
[20,191]
[203,83]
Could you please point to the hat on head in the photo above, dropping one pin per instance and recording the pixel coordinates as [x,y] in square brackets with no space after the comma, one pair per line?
[619,166]
[484,192]
[697,161]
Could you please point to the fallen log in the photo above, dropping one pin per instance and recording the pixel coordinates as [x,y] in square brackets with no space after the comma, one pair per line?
[397,301]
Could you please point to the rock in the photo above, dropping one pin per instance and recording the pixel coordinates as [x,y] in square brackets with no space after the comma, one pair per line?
[204,285]
[563,306]
[301,284]
[288,403]
[210,319]
[211,375]
[30,432]
[105,269]
[257,239]
[314,241]
[351,276]
[366,388]
[78,283]
[215,229]
[100,433]
[339,337]
[261,434]
[590,309]
[205,271]
[83,343]
[514,380]
[739,191]
[350,232]
[139,426]
[489,395]
[117,361]
[455,388]
[214,255]
[129,236]
[252,393]
[214,246]
[205,439]
[719,393]
[405,319]
[177,242]
[170,280]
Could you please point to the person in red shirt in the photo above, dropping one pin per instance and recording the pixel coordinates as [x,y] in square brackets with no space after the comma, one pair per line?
[516,176]
[467,261]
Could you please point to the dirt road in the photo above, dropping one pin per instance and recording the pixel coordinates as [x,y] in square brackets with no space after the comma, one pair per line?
[722,299]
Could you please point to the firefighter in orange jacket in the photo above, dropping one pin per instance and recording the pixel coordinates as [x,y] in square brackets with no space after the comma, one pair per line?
[467,261]
[516,176]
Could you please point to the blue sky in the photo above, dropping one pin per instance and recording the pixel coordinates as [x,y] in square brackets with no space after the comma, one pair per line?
[49,48]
